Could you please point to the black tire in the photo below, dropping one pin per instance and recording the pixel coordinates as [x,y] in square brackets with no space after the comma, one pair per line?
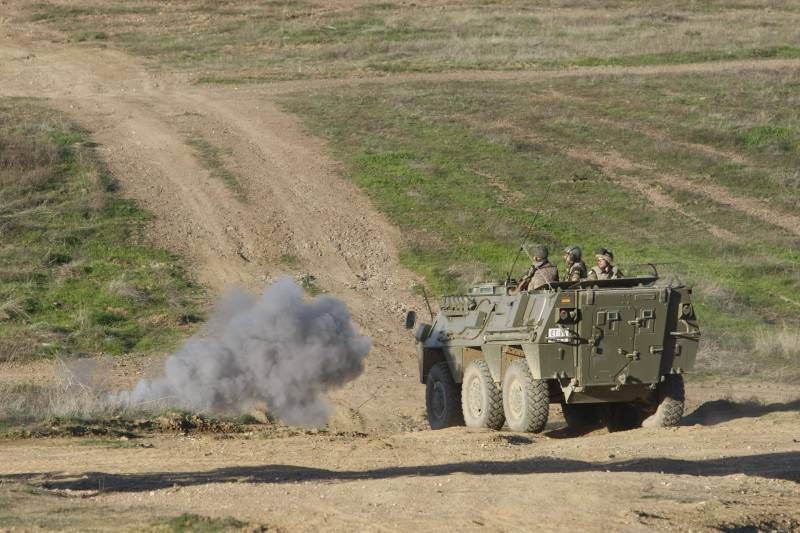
[580,415]
[481,398]
[442,398]
[526,401]
[672,398]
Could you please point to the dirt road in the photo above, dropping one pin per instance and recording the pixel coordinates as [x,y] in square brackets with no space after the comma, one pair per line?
[733,465]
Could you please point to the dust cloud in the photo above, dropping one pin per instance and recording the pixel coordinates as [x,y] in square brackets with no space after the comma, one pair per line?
[276,350]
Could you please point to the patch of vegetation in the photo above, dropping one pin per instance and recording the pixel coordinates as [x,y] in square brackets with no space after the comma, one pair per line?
[211,158]
[197,523]
[91,36]
[309,284]
[242,41]
[75,274]
[103,425]
[463,168]
[290,261]
[26,507]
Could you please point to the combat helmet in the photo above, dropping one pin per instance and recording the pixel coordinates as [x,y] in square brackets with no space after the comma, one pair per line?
[574,253]
[536,250]
[605,253]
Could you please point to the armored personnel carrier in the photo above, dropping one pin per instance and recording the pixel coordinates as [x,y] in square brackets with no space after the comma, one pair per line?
[611,351]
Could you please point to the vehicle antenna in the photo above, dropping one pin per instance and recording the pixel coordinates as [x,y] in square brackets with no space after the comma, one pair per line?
[528,232]
[425,296]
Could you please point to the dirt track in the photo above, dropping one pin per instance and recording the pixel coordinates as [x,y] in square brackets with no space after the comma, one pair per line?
[743,469]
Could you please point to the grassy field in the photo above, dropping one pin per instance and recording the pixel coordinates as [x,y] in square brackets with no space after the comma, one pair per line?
[699,169]
[463,167]
[245,41]
[75,276]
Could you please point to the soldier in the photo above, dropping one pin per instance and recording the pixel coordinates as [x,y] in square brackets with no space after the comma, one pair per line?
[605,268]
[576,268]
[542,272]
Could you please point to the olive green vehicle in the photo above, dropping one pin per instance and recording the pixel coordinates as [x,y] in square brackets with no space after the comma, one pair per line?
[611,351]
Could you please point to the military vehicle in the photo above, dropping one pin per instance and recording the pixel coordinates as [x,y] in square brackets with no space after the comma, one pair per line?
[609,351]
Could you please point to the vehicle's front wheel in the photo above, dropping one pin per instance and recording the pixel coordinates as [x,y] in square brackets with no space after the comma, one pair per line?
[526,401]
[671,396]
[481,398]
[442,398]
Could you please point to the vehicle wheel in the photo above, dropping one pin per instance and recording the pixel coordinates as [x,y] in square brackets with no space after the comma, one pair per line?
[580,415]
[481,398]
[670,407]
[442,398]
[526,401]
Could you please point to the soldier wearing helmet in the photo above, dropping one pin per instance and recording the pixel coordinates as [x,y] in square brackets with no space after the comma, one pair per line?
[542,272]
[605,268]
[576,268]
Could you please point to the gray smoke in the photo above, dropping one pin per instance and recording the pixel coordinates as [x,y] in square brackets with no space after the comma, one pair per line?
[277,349]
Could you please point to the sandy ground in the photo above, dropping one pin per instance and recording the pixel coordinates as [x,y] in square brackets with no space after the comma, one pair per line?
[734,464]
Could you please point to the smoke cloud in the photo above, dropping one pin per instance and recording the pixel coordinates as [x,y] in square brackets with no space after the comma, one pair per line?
[276,349]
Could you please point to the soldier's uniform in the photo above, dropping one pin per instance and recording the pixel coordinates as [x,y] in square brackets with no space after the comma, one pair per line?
[609,271]
[576,272]
[542,273]
[545,273]
[576,268]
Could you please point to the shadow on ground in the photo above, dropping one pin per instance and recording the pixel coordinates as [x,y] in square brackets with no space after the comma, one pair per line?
[719,411]
[784,466]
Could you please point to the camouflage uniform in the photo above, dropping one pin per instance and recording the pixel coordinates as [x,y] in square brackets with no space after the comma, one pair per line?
[544,273]
[576,272]
[611,272]
[541,273]
[607,272]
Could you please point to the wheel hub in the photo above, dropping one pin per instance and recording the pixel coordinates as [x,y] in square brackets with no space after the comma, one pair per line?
[516,399]
[475,397]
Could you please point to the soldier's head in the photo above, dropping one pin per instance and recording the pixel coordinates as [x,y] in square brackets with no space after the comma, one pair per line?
[572,254]
[539,252]
[605,258]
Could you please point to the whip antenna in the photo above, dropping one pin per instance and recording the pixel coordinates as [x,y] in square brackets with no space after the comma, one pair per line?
[528,232]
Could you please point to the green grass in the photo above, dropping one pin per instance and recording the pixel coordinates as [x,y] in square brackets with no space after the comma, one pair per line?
[75,274]
[462,168]
[199,524]
[244,41]
[211,158]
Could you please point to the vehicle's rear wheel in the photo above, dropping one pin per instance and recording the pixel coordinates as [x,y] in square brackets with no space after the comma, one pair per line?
[526,401]
[481,398]
[671,396]
[580,415]
[442,398]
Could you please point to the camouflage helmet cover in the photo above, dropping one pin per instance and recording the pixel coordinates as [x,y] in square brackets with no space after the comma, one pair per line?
[537,250]
[605,254]
[574,253]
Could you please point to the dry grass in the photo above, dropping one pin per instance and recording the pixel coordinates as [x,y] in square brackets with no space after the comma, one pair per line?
[243,40]
[80,402]
[780,343]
